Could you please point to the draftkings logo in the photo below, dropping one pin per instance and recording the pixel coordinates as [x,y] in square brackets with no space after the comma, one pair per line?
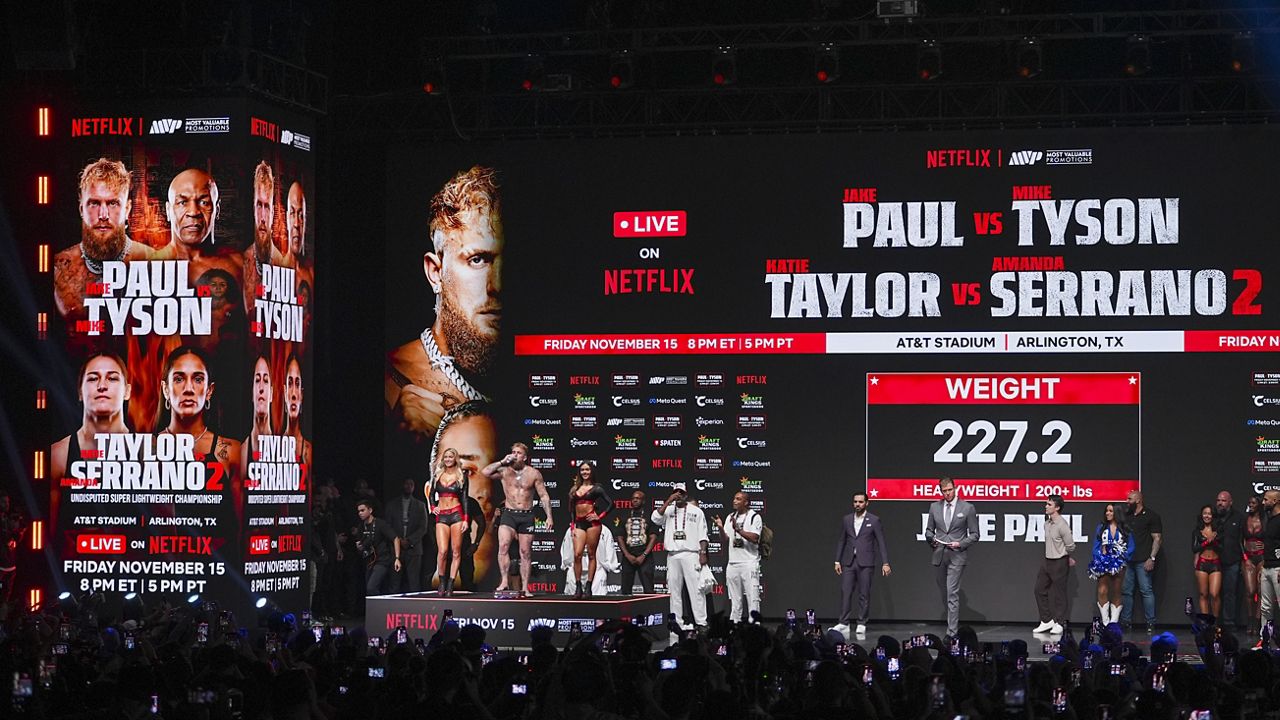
[623,443]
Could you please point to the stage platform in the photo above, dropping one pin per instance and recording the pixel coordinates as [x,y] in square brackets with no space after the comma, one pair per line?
[507,621]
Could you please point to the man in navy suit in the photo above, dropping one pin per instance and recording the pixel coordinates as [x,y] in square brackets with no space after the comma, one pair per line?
[861,548]
[952,527]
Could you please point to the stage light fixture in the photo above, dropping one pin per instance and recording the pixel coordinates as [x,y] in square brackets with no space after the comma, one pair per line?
[193,599]
[826,63]
[134,607]
[724,66]
[43,126]
[535,70]
[622,70]
[1242,52]
[34,599]
[42,258]
[1029,60]
[42,399]
[42,189]
[929,60]
[37,466]
[37,534]
[1137,56]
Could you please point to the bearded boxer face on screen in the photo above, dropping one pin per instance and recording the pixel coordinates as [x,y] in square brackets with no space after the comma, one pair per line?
[104,211]
[465,272]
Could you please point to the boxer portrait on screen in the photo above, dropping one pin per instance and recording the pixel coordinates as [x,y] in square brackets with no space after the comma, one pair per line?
[104,207]
[429,375]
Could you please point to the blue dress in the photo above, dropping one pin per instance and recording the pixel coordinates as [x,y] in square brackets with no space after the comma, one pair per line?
[1111,551]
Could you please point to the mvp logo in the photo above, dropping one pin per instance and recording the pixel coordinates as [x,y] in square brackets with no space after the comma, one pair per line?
[1025,157]
[165,127]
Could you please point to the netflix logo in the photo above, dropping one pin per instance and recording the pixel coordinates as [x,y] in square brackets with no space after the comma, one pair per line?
[264,128]
[650,223]
[81,127]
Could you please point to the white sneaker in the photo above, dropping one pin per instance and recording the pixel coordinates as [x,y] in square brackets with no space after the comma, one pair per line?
[842,629]
[862,630]
[1043,627]
[1055,629]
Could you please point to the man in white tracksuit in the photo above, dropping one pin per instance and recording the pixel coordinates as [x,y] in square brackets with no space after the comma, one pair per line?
[684,537]
[742,575]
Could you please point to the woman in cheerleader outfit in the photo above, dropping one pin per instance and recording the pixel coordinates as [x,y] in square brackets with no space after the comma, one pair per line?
[1112,546]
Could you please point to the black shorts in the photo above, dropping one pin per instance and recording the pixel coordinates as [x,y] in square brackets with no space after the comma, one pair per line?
[521,520]
[449,518]
[585,524]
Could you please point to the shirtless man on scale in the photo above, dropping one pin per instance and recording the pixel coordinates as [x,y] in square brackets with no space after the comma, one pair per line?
[519,483]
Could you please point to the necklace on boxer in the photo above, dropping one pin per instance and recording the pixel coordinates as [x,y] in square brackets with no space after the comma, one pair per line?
[444,363]
[95,266]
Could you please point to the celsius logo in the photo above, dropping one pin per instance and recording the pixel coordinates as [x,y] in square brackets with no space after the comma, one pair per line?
[1260,400]
[1025,157]
[620,401]
[745,443]
[650,223]
[165,127]
[708,485]
[705,401]
[538,401]
[625,484]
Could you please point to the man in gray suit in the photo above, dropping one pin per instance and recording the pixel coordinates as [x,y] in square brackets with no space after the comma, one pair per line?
[861,547]
[951,529]
[408,517]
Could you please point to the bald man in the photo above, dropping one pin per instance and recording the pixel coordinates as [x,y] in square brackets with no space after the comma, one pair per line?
[295,252]
[1269,582]
[1147,529]
[192,211]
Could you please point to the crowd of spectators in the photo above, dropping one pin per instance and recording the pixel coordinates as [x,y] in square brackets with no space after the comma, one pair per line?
[77,659]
